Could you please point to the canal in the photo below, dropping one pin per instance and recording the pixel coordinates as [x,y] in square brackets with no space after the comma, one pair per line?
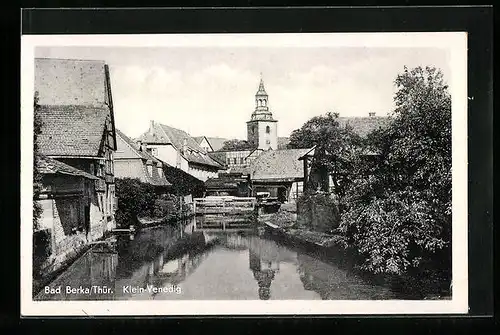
[173,262]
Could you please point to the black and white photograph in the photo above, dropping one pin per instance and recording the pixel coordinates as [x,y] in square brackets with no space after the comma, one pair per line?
[250,173]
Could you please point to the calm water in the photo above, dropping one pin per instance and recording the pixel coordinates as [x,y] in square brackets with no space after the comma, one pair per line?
[173,263]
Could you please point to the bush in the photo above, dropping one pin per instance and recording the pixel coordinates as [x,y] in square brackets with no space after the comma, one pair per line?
[135,199]
[164,207]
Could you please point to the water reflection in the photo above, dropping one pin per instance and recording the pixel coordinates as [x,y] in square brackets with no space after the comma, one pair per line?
[264,273]
[190,264]
[334,283]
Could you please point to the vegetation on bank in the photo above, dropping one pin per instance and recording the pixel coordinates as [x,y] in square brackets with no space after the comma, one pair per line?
[395,206]
[138,199]
[37,177]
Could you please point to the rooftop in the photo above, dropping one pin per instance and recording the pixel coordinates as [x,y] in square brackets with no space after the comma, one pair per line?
[363,125]
[72,130]
[162,134]
[215,142]
[49,165]
[154,178]
[70,82]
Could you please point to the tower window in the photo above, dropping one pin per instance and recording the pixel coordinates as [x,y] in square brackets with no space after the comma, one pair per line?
[268,129]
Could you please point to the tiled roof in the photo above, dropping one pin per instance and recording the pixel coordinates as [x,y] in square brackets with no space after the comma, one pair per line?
[202,158]
[49,165]
[72,130]
[364,125]
[278,165]
[153,179]
[70,82]
[219,157]
[162,134]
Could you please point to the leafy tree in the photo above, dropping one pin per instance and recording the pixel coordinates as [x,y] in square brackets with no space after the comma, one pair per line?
[136,198]
[399,209]
[336,147]
[37,177]
[236,144]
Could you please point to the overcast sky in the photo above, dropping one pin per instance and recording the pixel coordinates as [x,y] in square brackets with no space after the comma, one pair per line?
[210,91]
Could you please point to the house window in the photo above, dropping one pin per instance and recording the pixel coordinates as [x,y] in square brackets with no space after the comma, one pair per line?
[268,129]
[235,161]
[242,160]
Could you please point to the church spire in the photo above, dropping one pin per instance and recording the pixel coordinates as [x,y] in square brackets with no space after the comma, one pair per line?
[261,98]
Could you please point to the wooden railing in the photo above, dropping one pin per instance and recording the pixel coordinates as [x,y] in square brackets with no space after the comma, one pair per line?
[224,212]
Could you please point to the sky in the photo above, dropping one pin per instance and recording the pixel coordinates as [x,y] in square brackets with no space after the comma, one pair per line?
[211,90]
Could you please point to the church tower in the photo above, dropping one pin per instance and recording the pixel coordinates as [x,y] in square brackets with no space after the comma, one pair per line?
[262,129]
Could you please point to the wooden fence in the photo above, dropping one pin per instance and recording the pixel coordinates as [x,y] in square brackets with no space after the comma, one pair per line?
[224,212]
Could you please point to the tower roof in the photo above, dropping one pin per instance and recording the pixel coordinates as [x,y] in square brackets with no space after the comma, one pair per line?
[262,90]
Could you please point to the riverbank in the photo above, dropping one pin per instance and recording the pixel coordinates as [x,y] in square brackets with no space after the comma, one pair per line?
[284,227]
[47,277]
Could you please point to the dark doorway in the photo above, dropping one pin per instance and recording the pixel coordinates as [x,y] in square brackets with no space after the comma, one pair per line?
[86,219]
[282,194]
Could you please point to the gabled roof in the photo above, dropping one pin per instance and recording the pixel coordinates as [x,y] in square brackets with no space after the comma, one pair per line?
[163,134]
[70,82]
[364,125]
[146,157]
[282,142]
[278,165]
[72,130]
[49,165]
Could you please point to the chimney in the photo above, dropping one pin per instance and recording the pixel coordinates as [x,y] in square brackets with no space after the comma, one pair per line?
[184,146]
[149,164]
[372,114]
[151,127]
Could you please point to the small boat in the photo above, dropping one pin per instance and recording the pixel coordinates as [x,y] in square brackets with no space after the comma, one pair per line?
[129,230]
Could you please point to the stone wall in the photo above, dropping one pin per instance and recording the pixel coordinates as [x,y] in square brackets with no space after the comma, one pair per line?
[65,243]
[318,212]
